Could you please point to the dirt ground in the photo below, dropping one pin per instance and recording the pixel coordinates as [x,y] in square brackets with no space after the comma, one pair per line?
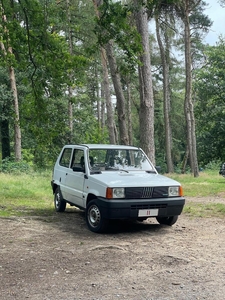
[58,258]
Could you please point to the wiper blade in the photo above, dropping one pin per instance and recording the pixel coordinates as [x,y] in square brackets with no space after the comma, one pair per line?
[111,169]
[115,169]
[124,170]
[92,172]
[151,172]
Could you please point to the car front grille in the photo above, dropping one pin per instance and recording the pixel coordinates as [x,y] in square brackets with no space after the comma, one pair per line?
[148,206]
[146,192]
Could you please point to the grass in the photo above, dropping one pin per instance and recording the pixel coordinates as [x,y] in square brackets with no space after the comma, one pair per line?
[31,194]
[25,194]
[205,210]
[208,184]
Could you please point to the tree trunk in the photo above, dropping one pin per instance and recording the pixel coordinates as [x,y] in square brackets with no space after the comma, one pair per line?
[119,94]
[146,114]
[129,115]
[188,105]
[98,104]
[70,91]
[102,108]
[106,87]
[166,96]
[17,131]
[70,115]
[185,159]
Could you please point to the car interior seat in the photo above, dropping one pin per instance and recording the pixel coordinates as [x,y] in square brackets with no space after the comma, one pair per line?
[91,160]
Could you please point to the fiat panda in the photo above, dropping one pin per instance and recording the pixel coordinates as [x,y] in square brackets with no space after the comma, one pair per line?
[114,182]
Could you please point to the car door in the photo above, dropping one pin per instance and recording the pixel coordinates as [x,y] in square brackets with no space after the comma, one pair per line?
[75,178]
[63,169]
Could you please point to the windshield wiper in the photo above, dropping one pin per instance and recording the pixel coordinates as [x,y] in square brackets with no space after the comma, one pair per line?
[92,172]
[151,172]
[124,170]
[111,169]
[115,169]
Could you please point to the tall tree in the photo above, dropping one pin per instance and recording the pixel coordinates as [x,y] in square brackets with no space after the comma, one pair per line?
[114,69]
[146,114]
[164,46]
[195,22]
[106,85]
[119,94]
[7,51]
[107,94]
[188,103]
[70,90]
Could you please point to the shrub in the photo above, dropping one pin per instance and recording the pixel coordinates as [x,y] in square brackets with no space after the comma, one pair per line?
[213,165]
[9,165]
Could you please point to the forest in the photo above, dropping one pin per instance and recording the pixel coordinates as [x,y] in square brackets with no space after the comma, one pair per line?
[132,72]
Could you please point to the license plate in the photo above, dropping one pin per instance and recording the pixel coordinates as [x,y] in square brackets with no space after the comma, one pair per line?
[148,212]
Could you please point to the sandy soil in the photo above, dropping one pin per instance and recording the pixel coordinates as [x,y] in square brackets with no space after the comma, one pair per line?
[57,257]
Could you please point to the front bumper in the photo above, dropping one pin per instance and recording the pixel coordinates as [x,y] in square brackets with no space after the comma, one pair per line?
[128,209]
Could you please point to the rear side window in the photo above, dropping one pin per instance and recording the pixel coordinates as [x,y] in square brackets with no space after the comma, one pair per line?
[65,158]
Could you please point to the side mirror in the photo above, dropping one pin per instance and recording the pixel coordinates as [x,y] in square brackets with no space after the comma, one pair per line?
[158,169]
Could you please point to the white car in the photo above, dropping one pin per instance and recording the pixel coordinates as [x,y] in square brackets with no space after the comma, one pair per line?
[114,182]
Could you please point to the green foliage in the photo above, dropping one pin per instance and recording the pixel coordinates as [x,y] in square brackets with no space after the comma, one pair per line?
[9,165]
[200,22]
[116,23]
[210,113]
[160,162]
[213,165]
[46,66]
[5,96]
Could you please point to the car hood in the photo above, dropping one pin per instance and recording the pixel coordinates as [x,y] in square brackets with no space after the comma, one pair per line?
[132,179]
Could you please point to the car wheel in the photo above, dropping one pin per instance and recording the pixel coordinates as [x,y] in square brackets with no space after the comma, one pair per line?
[167,220]
[59,202]
[94,219]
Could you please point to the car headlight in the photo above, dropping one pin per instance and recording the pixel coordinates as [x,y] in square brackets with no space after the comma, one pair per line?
[175,191]
[113,193]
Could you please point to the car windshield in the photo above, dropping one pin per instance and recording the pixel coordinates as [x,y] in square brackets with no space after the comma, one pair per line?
[119,159]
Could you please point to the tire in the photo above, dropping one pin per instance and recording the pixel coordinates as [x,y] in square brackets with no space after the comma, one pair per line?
[167,220]
[59,202]
[94,219]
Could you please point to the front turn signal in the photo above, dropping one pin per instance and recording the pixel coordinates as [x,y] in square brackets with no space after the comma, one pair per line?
[181,192]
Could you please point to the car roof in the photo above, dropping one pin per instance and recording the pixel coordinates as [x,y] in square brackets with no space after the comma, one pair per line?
[104,146]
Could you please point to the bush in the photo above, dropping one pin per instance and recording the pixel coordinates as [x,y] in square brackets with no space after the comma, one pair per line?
[9,165]
[213,165]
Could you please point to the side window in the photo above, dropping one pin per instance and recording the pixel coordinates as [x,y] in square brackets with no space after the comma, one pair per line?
[65,158]
[78,159]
